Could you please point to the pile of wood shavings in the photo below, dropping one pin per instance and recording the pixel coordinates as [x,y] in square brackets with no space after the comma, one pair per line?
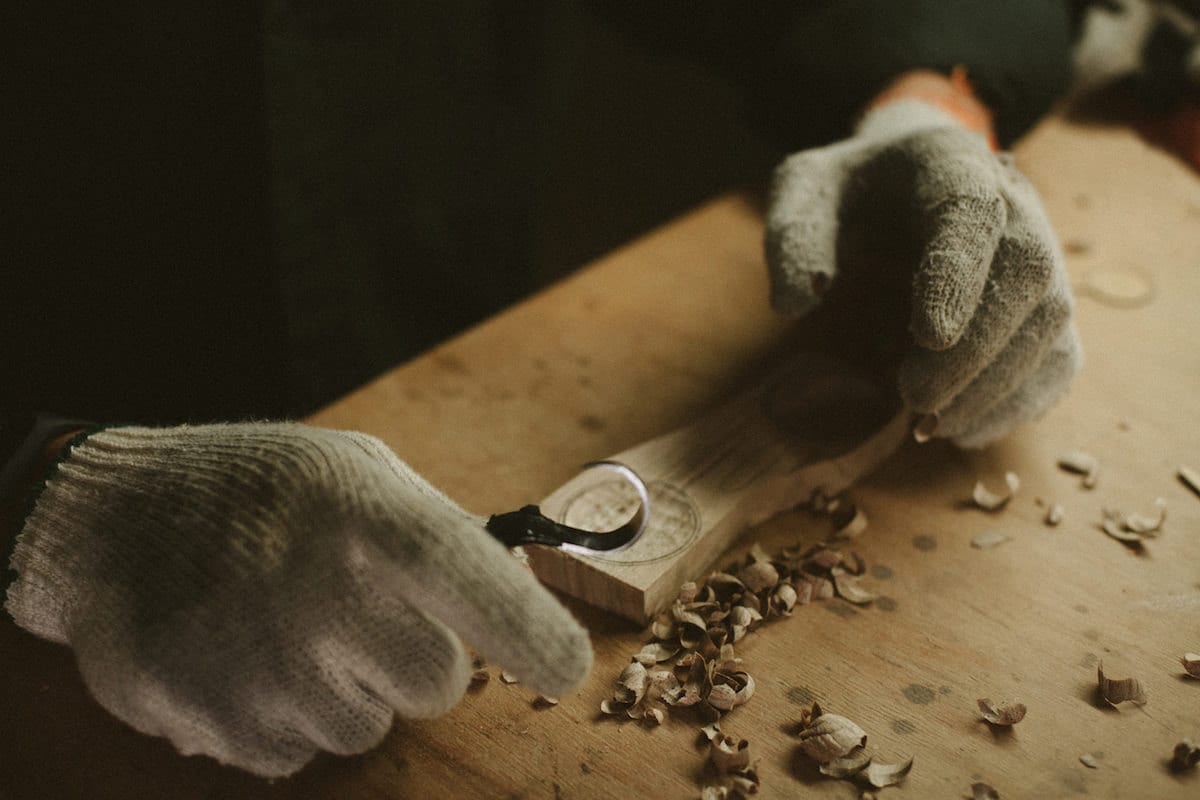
[694,639]
[694,642]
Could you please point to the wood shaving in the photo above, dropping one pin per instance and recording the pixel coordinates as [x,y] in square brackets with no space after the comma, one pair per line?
[1144,524]
[1119,691]
[981,791]
[1004,714]
[808,715]
[723,698]
[926,427]
[479,674]
[743,619]
[728,754]
[1089,761]
[654,653]
[737,786]
[848,765]
[1081,463]
[825,559]
[759,575]
[988,500]
[631,689]
[1054,515]
[729,688]
[783,599]
[507,676]
[745,783]
[852,526]
[737,777]
[1135,527]
[882,775]
[688,592]
[831,736]
[848,588]
[1190,478]
[989,539]
[1185,756]
[1191,664]
[859,765]
[1110,524]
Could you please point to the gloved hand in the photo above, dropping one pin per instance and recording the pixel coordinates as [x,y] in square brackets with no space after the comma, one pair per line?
[258,592]
[914,207]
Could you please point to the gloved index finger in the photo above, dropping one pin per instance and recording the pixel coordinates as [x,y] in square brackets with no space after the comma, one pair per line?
[963,215]
[443,562]
[462,576]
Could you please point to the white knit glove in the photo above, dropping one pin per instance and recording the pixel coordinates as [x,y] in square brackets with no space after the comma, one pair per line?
[259,592]
[917,207]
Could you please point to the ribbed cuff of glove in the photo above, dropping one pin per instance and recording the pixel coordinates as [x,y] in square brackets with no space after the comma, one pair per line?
[104,492]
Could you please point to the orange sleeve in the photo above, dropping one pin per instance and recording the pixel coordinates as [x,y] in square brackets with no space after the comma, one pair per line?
[953,94]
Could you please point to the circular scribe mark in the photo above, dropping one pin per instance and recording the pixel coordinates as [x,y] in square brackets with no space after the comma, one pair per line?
[674,521]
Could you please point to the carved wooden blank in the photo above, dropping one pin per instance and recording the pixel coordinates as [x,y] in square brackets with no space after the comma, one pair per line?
[815,425]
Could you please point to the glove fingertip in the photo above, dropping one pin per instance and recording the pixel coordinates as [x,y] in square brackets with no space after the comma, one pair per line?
[795,298]
[938,328]
[572,668]
[562,664]
[945,295]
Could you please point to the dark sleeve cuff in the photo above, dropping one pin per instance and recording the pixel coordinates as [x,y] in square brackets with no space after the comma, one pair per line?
[23,438]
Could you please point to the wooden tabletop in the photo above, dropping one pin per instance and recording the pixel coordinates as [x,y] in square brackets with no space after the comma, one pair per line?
[648,337]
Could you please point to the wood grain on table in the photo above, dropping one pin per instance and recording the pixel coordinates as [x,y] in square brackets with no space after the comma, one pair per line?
[665,328]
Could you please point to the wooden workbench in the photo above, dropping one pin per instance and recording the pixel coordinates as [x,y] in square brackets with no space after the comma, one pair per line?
[660,330]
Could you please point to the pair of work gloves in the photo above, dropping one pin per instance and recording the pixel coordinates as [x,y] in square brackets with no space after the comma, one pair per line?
[261,592]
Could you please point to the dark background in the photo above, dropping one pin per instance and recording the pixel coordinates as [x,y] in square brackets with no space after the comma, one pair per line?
[247,209]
